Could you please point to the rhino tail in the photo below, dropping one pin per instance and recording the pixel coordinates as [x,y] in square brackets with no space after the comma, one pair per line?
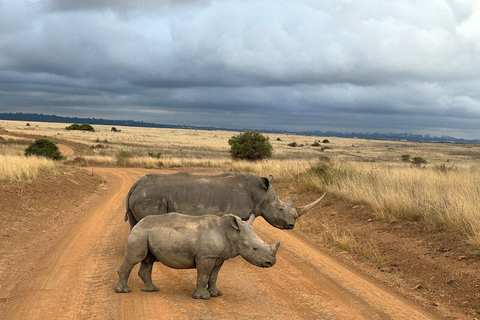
[128,213]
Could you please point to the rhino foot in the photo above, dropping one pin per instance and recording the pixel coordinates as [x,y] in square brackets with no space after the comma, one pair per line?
[201,294]
[122,289]
[215,292]
[150,288]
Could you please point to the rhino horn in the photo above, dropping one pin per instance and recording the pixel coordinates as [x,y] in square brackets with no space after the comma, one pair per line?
[251,219]
[275,248]
[290,202]
[308,207]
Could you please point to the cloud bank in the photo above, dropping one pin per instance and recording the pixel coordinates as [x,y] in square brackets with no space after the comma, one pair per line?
[299,65]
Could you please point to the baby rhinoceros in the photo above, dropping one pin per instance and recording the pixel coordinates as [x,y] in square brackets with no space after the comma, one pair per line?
[186,242]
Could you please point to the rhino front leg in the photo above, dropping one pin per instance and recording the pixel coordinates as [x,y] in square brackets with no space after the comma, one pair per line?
[145,273]
[212,282]
[204,269]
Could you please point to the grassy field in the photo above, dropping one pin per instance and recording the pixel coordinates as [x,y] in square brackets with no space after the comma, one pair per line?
[443,193]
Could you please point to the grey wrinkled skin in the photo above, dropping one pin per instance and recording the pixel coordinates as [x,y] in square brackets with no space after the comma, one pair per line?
[186,242]
[229,193]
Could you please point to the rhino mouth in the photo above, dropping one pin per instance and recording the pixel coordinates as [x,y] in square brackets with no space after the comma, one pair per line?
[268,264]
[289,226]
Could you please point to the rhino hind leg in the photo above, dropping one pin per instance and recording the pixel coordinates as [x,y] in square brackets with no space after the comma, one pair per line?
[212,282]
[137,250]
[145,273]
[204,269]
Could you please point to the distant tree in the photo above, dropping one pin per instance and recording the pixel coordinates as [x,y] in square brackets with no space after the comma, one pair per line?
[250,145]
[115,129]
[316,144]
[325,141]
[82,127]
[28,124]
[44,148]
[292,144]
[278,139]
[418,161]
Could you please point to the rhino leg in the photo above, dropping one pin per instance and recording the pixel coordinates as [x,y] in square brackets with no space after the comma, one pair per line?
[204,269]
[137,250]
[212,282]
[145,273]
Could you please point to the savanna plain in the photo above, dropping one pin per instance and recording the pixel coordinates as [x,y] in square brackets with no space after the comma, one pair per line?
[403,215]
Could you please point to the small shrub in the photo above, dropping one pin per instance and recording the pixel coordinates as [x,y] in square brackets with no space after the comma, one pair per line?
[79,161]
[43,148]
[28,124]
[325,141]
[155,155]
[278,139]
[82,127]
[122,157]
[418,161]
[316,144]
[115,130]
[292,144]
[405,157]
[250,145]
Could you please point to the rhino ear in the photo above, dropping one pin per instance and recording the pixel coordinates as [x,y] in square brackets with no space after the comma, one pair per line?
[236,223]
[265,183]
[270,178]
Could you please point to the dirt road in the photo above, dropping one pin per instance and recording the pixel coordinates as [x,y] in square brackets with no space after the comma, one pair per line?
[77,279]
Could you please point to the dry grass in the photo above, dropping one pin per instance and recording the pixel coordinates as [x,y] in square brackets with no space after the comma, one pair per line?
[20,168]
[438,197]
[179,143]
[442,194]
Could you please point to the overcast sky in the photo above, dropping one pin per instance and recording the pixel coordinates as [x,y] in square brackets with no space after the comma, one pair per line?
[360,65]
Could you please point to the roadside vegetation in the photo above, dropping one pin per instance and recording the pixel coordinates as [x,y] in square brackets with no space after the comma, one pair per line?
[21,168]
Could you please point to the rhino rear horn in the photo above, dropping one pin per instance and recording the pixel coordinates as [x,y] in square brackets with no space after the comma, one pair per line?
[251,219]
[308,207]
[290,202]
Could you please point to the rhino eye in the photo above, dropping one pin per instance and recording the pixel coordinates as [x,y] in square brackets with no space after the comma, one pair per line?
[255,248]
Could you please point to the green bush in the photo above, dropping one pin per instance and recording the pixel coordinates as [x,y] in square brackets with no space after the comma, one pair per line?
[115,130]
[316,144]
[82,127]
[43,148]
[325,141]
[292,144]
[155,155]
[418,161]
[405,157]
[250,145]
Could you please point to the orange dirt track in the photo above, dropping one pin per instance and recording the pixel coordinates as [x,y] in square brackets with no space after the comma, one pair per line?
[76,279]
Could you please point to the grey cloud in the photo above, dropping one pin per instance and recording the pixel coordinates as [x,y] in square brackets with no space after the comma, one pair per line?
[238,63]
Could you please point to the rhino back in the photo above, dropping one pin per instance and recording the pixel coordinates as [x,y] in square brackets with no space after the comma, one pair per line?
[192,194]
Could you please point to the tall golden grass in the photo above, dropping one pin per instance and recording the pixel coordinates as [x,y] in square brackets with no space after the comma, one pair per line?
[440,197]
[20,168]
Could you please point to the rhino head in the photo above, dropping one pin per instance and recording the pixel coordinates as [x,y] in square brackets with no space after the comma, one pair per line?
[251,247]
[280,214]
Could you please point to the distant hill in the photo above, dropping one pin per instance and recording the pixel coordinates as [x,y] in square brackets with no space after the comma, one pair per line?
[131,123]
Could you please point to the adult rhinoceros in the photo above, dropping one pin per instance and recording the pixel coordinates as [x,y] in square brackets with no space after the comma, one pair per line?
[229,193]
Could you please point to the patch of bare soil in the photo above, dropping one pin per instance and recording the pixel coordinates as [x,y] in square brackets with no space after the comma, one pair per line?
[434,269]
[35,216]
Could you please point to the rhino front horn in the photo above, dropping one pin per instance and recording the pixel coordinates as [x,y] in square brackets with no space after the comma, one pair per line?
[275,248]
[308,207]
